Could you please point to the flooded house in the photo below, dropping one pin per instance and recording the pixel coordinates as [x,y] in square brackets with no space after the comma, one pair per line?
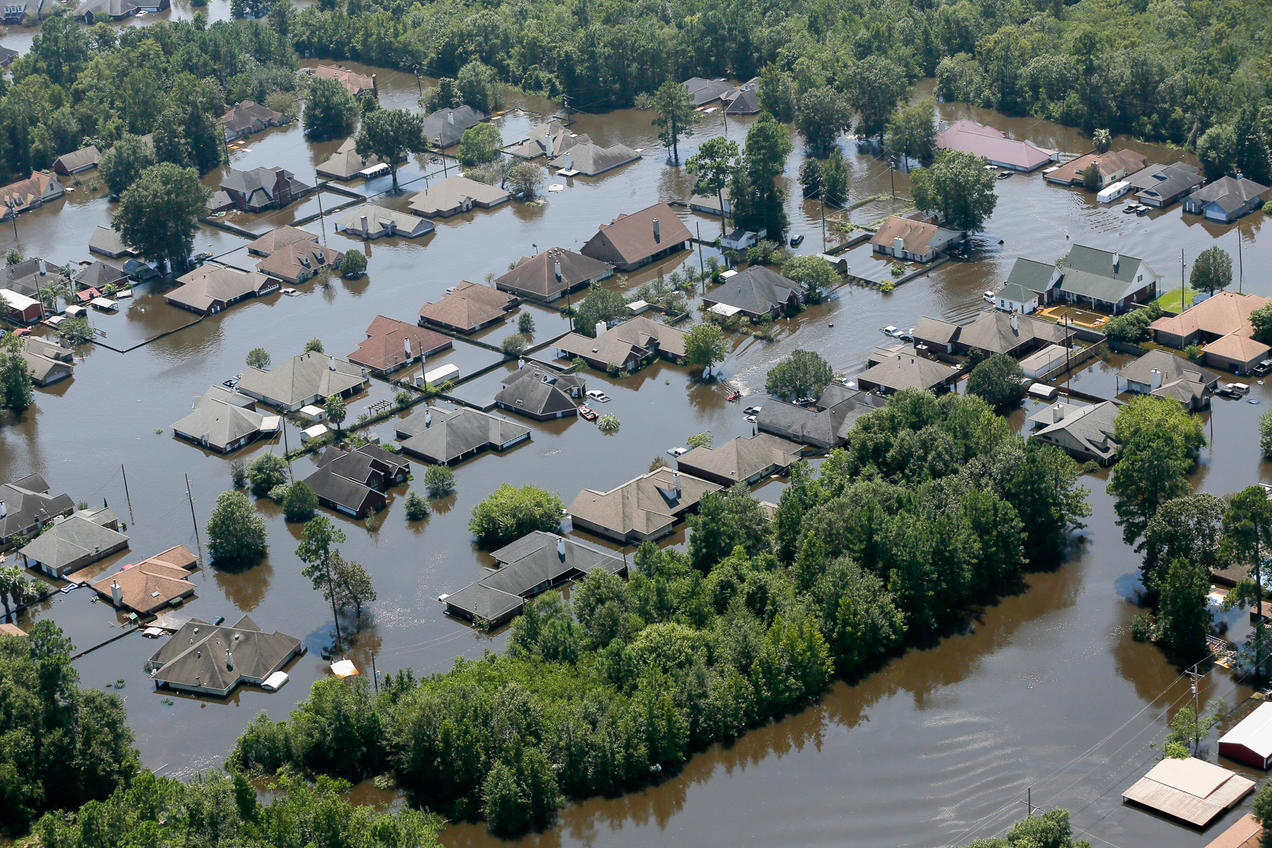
[746,460]
[626,347]
[299,262]
[345,164]
[106,242]
[258,189]
[371,221]
[912,239]
[31,193]
[148,587]
[589,159]
[78,161]
[222,420]
[211,288]
[1161,185]
[248,118]
[467,308]
[1103,280]
[21,308]
[823,424]
[1162,374]
[455,195]
[706,91]
[901,370]
[445,127]
[209,659]
[1110,166]
[391,344]
[541,393]
[359,85]
[525,568]
[1084,431]
[355,482]
[26,504]
[278,238]
[304,379]
[550,139]
[993,146]
[48,361]
[445,437]
[756,293]
[991,332]
[1226,199]
[73,543]
[98,275]
[633,241]
[549,275]
[1189,790]
[1220,324]
[646,507]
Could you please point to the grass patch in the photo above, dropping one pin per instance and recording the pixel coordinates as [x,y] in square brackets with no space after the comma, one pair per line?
[1171,301]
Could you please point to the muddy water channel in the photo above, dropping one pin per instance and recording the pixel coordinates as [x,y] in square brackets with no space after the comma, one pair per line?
[938,747]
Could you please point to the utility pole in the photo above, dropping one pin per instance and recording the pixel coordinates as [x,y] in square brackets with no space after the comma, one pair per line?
[132,518]
[1240,265]
[322,220]
[822,200]
[1029,807]
[375,675]
[286,451]
[1182,279]
[189,497]
[1193,677]
[702,268]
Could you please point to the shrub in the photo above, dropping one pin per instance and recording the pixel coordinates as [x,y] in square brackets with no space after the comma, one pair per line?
[236,534]
[1194,352]
[238,474]
[299,502]
[439,481]
[514,345]
[353,264]
[1132,326]
[608,423]
[277,493]
[509,513]
[416,507]
[265,472]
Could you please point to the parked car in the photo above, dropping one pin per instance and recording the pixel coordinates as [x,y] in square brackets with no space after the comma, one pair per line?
[1239,388]
[988,295]
[796,241]
[751,410]
[598,396]
[890,330]
[1263,367]
[677,452]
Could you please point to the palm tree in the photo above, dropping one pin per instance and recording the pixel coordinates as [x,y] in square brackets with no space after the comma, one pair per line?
[15,589]
[1103,139]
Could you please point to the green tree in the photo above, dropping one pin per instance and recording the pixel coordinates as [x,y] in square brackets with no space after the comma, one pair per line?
[416,507]
[1265,434]
[524,180]
[810,178]
[699,440]
[258,357]
[510,512]
[1217,150]
[777,93]
[353,264]
[1187,529]
[1183,618]
[314,345]
[958,188]
[911,131]
[998,380]
[479,144]
[389,135]
[835,179]
[803,374]
[1247,534]
[15,588]
[265,472]
[478,87]
[724,522]
[236,534]
[330,110]
[1261,320]
[822,116]
[124,162]
[17,392]
[1212,271]
[300,503]
[445,95]
[439,481]
[1263,808]
[1158,442]
[756,196]
[317,550]
[350,584]
[1188,728]
[525,323]
[601,304]
[76,330]
[712,167]
[514,345]
[705,345]
[674,115]
[815,274]
[159,213]
[336,410]
[877,83]
[1103,139]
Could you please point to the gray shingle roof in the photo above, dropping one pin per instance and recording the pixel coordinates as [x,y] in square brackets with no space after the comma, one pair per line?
[297,380]
[218,423]
[825,424]
[539,392]
[445,127]
[27,502]
[1228,193]
[591,159]
[992,332]
[906,371]
[537,275]
[195,657]
[70,540]
[756,291]
[644,507]
[456,194]
[1088,429]
[1034,276]
[450,435]
[1090,272]
[740,459]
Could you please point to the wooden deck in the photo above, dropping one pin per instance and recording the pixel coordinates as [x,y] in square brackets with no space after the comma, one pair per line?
[1190,790]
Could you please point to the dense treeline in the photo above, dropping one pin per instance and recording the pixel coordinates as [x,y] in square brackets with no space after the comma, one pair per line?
[93,85]
[1155,68]
[67,752]
[934,507]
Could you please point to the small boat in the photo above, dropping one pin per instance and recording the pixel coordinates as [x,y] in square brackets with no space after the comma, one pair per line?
[289,291]
[734,395]
[796,241]
[586,413]
[1003,175]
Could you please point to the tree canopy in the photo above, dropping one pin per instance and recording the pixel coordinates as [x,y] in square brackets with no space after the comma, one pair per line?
[958,188]
[389,135]
[159,213]
[674,115]
[1158,442]
[1212,271]
[803,374]
[330,110]
[511,512]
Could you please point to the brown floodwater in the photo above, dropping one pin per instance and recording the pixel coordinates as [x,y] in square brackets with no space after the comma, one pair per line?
[938,747]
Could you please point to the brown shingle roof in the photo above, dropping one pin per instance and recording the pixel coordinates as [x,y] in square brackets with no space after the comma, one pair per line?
[1109,162]
[468,307]
[537,276]
[630,238]
[278,238]
[917,236]
[385,346]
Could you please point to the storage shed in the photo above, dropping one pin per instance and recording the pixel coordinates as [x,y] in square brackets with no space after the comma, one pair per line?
[1192,791]
[1250,742]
